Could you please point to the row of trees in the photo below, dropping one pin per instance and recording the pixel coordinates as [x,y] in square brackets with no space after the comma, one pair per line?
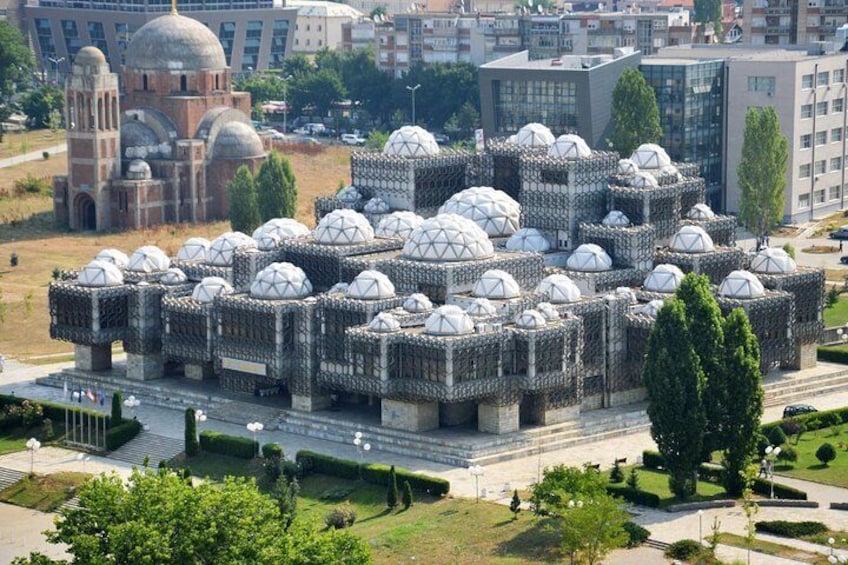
[272,194]
[703,378]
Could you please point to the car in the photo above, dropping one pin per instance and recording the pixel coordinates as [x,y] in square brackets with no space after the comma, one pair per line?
[352,139]
[441,138]
[841,233]
[797,409]
[844,259]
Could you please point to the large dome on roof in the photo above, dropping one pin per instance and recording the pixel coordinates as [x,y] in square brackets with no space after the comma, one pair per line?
[236,140]
[741,284]
[692,239]
[90,56]
[222,247]
[558,289]
[343,227]
[210,287]
[411,141]
[569,146]
[114,256]
[148,259]
[371,285]
[534,135]
[399,224]
[493,210]
[627,167]
[528,239]
[376,206]
[650,156]
[664,278]
[773,261]
[194,249]
[448,237]
[548,310]
[100,273]
[449,320]
[280,281]
[496,284]
[589,257]
[175,43]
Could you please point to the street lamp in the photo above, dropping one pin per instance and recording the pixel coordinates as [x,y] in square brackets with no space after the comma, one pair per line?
[286,103]
[132,403]
[771,456]
[56,62]
[700,527]
[199,418]
[475,470]
[255,428]
[412,89]
[32,446]
[361,447]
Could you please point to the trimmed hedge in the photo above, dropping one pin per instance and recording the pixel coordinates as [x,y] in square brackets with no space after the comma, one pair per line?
[52,410]
[272,451]
[788,529]
[312,462]
[640,497]
[234,446]
[711,473]
[763,487]
[653,459]
[832,355]
[118,435]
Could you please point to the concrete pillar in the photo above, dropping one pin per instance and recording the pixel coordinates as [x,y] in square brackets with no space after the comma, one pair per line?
[198,371]
[805,357]
[410,416]
[497,419]
[310,403]
[93,357]
[144,367]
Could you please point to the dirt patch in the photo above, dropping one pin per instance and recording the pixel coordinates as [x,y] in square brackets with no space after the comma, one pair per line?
[821,249]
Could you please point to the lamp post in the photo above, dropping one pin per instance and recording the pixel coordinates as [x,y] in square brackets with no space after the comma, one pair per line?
[56,62]
[199,418]
[412,89]
[771,456]
[32,446]
[83,458]
[286,104]
[255,428]
[362,447]
[700,527]
[132,403]
[475,470]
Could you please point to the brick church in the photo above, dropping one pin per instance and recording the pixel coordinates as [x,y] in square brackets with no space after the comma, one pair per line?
[160,145]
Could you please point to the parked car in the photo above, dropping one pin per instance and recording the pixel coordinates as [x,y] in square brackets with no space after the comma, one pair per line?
[841,233]
[352,139]
[797,409]
[844,259]
[441,139]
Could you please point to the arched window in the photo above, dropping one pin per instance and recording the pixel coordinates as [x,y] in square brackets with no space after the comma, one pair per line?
[144,82]
[183,83]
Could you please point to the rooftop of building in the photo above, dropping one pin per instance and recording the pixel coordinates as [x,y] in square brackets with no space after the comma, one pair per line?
[522,60]
[323,9]
[742,52]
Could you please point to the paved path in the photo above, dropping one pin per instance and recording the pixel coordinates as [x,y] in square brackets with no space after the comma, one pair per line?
[33,155]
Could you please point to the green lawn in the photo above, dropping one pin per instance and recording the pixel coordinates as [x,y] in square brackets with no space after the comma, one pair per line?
[809,468]
[215,467]
[656,482]
[771,548]
[16,438]
[44,492]
[836,315]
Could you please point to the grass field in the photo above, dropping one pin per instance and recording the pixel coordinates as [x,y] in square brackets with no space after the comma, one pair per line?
[44,492]
[17,143]
[836,315]
[656,482]
[809,468]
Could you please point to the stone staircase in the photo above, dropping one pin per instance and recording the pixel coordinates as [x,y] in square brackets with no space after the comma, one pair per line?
[8,477]
[70,504]
[150,445]
[786,388]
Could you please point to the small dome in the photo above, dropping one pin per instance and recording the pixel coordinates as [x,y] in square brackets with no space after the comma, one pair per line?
[173,276]
[371,285]
[376,206]
[700,212]
[626,292]
[417,303]
[399,224]
[530,320]
[384,323]
[148,259]
[283,228]
[267,241]
[194,249]
[664,278]
[644,179]
[280,281]
[340,287]
[343,227]
[650,156]
[90,56]
[773,261]
[100,273]
[670,170]
[175,43]
[569,146]
[534,135]
[210,287]
[481,308]
[616,219]
[348,194]
[448,237]
[236,140]
[411,141]
[741,284]
[496,284]
[589,257]
[652,308]
[223,247]
[449,320]
[138,169]
[548,310]
[114,256]
[493,210]
[627,167]
[558,289]
[528,239]
[692,239]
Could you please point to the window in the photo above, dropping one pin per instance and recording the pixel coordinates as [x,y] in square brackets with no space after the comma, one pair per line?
[821,137]
[807,81]
[819,194]
[806,141]
[836,163]
[838,105]
[804,171]
[833,192]
[820,167]
[836,134]
[806,111]
[821,108]
[803,201]
[823,79]
[838,76]
[761,84]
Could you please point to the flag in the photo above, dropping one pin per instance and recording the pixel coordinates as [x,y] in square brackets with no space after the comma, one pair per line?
[102,396]
[90,396]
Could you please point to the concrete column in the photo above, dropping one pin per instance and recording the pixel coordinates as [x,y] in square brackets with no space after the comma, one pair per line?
[198,371]
[497,419]
[310,403]
[410,416]
[93,357]
[805,357]
[144,367]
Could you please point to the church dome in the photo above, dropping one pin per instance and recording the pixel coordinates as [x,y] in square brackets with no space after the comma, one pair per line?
[417,303]
[236,140]
[210,287]
[496,284]
[138,169]
[90,56]
[558,289]
[281,281]
[222,248]
[569,146]
[741,284]
[114,256]
[481,308]
[692,239]
[194,249]
[411,141]
[528,239]
[449,320]
[448,237]
[148,259]
[371,285]
[664,278]
[343,227]
[773,261]
[534,135]
[399,224]
[650,156]
[530,320]
[493,210]
[175,43]
[99,274]
[589,257]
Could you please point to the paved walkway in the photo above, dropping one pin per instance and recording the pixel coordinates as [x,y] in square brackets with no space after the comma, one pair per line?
[33,155]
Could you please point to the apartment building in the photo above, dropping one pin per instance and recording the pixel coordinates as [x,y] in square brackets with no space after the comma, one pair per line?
[319,24]
[792,22]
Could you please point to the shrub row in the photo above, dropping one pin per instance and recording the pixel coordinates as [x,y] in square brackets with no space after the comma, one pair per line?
[234,446]
[640,497]
[832,355]
[118,435]
[52,410]
[312,462]
[763,487]
[790,529]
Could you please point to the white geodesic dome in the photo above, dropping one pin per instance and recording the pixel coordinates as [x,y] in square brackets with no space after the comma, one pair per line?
[652,308]
[548,310]
[447,237]
[399,224]
[650,156]
[267,241]
[643,179]
[449,320]
[530,320]
[384,323]
[481,308]
[371,285]
[223,247]
[528,239]
[417,303]
[773,261]
[493,210]
[343,227]
[283,228]
[700,212]
[741,284]
[496,284]
[148,259]
[173,276]
[670,170]
[692,239]
[194,249]
[100,273]
[349,194]
[627,167]
[589,257]
[210,287]
[569,146]
[664,278]
[534,135]
[626,291]
[376,206]
[280,281]
[558,289]
[339,287]
[114,256]
[411,141]
[616,219]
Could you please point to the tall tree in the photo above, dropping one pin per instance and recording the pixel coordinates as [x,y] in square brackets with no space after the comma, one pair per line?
[634,112]
[392,489]
[674,380]
[276,189]
[317,91]
[244,207]
[40,104]
[744,400]
[592,528]
[192,447]
[762,171]
[15,65]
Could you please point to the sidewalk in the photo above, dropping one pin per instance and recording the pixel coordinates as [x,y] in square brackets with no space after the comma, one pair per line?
[33,155]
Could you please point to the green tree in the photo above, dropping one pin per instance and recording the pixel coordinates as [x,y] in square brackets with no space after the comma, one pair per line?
[392,489]
[376,140]
[744,408]
[674,380]
[15,66]
[244,208]
[592,528]
[276,189]
[40,105]
[634,112]
[286,492]
[192,447]
[560,484]
[515,504]
[317,91]
[708,12]
[826,453]
[406,495]
[762,171]
[117,407]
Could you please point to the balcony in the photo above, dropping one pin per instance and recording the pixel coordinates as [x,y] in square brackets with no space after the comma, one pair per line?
[777,10]
[832,10]
[774,30]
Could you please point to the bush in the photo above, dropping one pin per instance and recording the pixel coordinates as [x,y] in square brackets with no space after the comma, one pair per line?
[312,462]
[826,453]
[711,473]
[406,496]
[47,433]
[45,155]
[392,489]
[633,479]
[776,436]
[31,185]
[341,517]
[636,534]
[272,451]
[616,474]
[122,433]
[832,355]
[653,459]
[763,487]
[685,550]
[640,497]
[787,454]
[117,400]
[787,529]
[234,446]
[378,475]
[52,410]
[791,427]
